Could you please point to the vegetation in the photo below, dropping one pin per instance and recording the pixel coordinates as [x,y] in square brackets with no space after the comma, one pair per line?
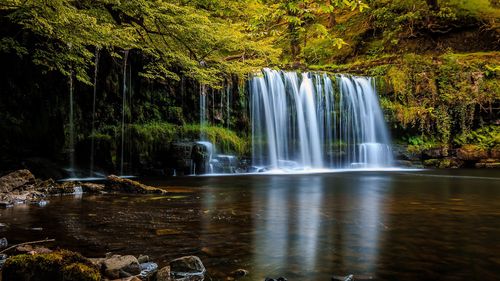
[61,265]
[436,63]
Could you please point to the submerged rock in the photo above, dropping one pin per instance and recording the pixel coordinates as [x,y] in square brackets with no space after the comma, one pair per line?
[189,268]
[238,273]
[117,184]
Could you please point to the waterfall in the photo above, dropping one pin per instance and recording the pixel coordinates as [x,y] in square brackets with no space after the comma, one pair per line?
[71,127]
[304,121]
[92,140]
[124,102]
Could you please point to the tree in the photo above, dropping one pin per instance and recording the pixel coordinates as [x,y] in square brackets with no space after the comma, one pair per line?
[199,39]
[292,20]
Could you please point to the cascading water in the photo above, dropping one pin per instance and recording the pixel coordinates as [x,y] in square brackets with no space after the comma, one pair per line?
[71,128]
[303,122]
[124,101]
[92,140]
[203,111]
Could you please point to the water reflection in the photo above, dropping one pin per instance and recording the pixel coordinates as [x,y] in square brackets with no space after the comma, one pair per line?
[390,226]
[302,230]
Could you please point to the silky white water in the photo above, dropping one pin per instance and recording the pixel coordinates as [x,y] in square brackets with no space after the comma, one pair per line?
[316,122]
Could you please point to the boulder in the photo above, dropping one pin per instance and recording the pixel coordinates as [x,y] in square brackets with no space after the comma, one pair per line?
[18,180]
[116,263]
[56,266]
[117,184]
[471,153]
[188,268]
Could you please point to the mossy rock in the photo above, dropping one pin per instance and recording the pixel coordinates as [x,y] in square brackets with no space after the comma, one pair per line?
[61,265]
[80,272]
[472,152]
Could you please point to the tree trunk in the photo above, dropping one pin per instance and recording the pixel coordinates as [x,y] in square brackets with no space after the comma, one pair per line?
[294,42]
[331,21]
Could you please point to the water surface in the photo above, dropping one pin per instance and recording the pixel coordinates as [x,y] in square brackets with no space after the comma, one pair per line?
[427,225]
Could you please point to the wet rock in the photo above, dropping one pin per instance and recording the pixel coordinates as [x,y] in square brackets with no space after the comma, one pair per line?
[112,266]
[6,204]
[238,273]
[92,187]
[67,187]
[164,274]
[45,186]
[3,258]
[4,243]
[472,153]
[21,179]
[188,268]
[117,184]
[148,269]
[143,259]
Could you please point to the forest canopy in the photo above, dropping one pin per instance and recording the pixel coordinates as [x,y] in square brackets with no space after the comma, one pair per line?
[205,39]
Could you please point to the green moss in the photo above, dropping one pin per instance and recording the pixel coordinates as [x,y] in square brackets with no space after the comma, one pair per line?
[152,138]
[80,272]
[57,266]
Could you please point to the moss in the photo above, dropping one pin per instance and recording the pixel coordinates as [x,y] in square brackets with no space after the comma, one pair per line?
[56,266]
[80,272]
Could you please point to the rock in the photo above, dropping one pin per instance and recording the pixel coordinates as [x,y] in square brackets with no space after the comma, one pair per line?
[56,266]
[92,187]
[21,179]
[112,266]
[148,269]
[45,186]
[117,184]
[4,243]
[6,204]
[164,274]
[431,153]
[471,153]
[33,249]
[67,187]
[238,273]
[143,259]
[190,268]
[3,258]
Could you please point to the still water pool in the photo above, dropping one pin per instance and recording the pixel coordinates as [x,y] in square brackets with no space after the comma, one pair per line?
[420,225]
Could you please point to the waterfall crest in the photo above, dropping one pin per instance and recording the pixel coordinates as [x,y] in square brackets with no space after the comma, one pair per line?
[309,121]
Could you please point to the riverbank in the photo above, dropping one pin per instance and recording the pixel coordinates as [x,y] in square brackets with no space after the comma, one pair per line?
[21,187]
